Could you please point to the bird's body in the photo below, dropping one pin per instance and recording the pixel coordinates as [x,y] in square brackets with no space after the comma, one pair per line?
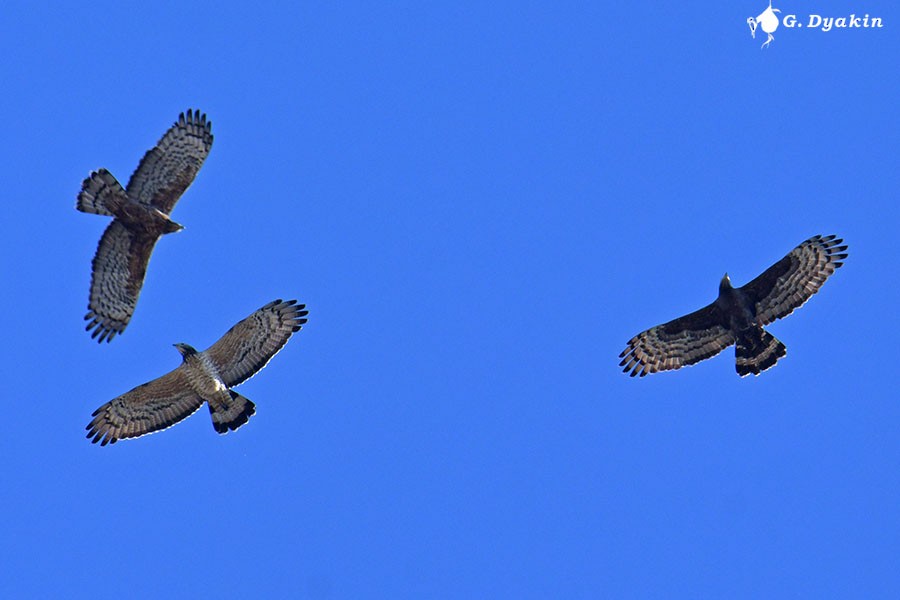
[140,214]
[738,315]
[145,220]
[202,377]
[735,304]
[755,349]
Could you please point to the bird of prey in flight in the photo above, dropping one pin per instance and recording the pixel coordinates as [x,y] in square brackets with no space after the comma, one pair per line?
[738,315]
[206,376]
[140,214]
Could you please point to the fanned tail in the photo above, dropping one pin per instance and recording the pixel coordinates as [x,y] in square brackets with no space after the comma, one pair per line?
[230,416]
[756,350]
[101,194]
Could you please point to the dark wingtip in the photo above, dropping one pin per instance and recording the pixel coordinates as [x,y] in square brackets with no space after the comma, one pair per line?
[299,315]
[194,116]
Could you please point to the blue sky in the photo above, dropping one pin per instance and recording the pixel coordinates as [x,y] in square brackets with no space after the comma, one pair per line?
[480,205]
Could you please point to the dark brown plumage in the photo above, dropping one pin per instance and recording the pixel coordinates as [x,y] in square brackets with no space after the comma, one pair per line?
[202,377]
[738,316]
[141,217]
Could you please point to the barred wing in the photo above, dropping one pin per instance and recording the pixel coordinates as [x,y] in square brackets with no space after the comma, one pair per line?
[150,407]
[117,276]
[684,341]
[790,282]
[169,168]
[251,344]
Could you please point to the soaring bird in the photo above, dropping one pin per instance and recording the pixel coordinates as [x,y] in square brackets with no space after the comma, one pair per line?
[738,315]
[206,376]
[141,216]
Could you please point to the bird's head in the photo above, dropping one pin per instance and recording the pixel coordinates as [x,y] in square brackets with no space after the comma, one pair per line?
[172,227]
[725,284]
[185,349]
[169,226]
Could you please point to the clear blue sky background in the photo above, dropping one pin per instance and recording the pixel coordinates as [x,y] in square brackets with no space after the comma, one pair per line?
[480,205]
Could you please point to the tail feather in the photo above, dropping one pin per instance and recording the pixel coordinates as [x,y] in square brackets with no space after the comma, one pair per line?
[756,350]
[231,415]
[101,194]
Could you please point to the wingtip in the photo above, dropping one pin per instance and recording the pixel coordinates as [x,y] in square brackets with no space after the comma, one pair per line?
[98,436]
[194,116]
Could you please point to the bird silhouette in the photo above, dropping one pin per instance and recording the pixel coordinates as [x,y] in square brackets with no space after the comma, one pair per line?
[769,22]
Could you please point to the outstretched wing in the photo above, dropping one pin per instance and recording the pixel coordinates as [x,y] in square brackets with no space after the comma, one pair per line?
[117,276]
[249,345]
[168,169]
[684,341]
[151,407]
[790,282]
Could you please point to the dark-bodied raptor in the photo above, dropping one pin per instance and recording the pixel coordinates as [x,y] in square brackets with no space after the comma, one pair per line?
[738,316]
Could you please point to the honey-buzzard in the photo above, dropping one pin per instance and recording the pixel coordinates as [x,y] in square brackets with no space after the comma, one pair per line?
[738,316]
[141,216]
[202,377]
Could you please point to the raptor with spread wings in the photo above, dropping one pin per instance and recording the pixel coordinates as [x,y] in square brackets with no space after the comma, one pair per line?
[202,377]
[141,216]
[738,315]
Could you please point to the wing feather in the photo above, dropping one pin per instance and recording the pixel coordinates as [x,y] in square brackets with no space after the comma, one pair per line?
[678,343]
[789,283]
[167,169]
[117,276]
[248,346]
[150,407]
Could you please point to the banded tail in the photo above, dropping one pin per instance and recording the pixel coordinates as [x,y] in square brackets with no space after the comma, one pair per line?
[232,415]
[101,194]
[756,350]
